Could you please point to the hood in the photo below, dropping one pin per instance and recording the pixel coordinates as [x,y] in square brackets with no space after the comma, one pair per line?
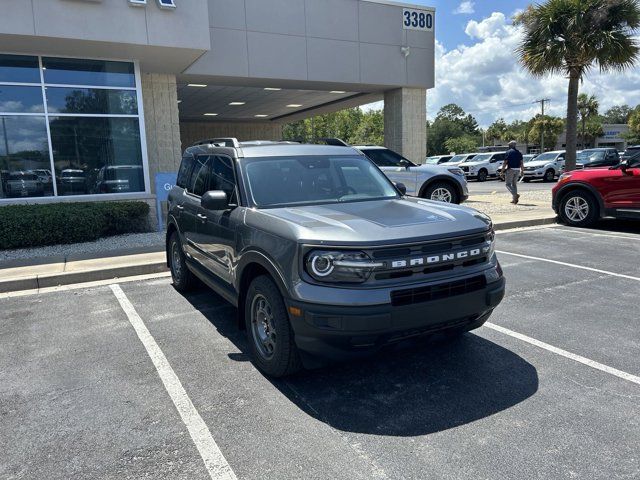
[376,222]
[472,163]
[537,163]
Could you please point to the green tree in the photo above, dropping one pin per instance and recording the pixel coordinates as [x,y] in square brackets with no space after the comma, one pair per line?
[587,108]
[497,130]
[593,129]
[634,126]
[451,122]
[463,144]
[552,127]
[617,114]
[571,36]
[370,131]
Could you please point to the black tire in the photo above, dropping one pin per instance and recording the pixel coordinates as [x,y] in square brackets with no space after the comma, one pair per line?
[282,358]
[579,200]
[441,187]
[482,175]
[183,279]
[527,179]
[549,175]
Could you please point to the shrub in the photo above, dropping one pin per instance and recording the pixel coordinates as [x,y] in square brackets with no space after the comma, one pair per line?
[37,225]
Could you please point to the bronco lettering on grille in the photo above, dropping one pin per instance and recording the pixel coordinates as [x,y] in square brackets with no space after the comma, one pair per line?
[444,257]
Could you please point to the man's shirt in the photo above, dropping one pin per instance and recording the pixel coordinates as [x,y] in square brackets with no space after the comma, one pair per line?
[514,158]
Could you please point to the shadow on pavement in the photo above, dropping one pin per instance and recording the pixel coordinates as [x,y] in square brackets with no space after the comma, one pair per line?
[621,226]
[418,388]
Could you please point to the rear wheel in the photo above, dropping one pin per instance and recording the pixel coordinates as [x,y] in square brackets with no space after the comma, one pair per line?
[271,339]
[183,279]
[579,209]
[482,175]
[441,192]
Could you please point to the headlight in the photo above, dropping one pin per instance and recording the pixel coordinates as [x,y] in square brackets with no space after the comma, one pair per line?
[340,267]
[564,177]
[456,171]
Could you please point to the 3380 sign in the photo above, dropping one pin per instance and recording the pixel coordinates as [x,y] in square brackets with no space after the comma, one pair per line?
[417,19]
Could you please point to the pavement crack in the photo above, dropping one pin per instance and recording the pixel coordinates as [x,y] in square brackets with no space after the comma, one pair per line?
[603,390]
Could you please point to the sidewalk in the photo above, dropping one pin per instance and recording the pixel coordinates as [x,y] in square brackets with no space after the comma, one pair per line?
[53,271]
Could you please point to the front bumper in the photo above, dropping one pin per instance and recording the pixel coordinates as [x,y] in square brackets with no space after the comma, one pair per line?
[343,332]
[534,174]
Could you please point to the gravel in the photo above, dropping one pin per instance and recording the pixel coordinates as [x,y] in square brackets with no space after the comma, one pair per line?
[498,203]
[108,244]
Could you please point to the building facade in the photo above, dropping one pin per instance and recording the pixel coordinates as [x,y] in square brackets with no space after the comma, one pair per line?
[98,96]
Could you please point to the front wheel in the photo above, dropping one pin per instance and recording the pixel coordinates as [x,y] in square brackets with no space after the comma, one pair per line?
[549,175]
[482,175]
[578,209]
[271,339]
[183,279]
[442,192]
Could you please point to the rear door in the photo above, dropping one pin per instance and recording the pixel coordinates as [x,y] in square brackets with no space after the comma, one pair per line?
[191,212]
[622,190]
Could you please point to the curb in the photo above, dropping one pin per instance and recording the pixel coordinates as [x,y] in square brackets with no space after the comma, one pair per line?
[59,279]
[525,223]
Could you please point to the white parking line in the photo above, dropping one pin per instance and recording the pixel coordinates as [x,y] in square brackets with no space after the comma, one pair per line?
[581,231]
[214,461]
[558,351]
[572,265]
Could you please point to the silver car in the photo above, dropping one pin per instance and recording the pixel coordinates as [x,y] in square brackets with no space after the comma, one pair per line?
[443,183]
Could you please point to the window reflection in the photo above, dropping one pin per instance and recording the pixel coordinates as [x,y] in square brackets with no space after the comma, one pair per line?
[96,155]
[21,99]
[74,71]
[19,69]
[24,157]
[91,100]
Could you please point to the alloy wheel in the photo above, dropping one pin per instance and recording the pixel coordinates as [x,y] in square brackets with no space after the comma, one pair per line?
[576,209]
[442,195]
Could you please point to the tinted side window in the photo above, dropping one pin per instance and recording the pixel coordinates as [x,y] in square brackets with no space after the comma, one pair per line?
[383,158]
[199,176]
[223,177]
[185,170]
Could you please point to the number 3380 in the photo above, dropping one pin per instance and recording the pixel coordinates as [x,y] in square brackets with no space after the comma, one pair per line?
[417,19]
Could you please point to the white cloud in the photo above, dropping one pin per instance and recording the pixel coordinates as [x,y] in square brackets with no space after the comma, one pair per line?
[486,79]
[465,8]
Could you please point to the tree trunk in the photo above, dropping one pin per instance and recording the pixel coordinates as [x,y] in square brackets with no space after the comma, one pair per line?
[583,134]
[572,120]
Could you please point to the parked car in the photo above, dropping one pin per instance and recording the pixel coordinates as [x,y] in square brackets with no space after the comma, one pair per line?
[434,182]
[72,182]
[24,184]
[438,159]
[525,159]
[483,165]
[324,258]
[597,157]
[546,166]
[581,197]
[631,151]
[461,158]
[120,179]
[45,177]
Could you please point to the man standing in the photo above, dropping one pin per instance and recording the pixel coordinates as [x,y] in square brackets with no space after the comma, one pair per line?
[513,168]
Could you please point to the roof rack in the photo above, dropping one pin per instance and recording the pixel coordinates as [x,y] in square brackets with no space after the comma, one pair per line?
[220,142]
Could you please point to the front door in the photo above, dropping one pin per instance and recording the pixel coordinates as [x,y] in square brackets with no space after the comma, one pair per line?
[391,164]
[622,191]
[217,229]
[191,214]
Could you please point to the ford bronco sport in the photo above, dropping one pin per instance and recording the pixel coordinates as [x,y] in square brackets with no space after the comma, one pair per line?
[323,256]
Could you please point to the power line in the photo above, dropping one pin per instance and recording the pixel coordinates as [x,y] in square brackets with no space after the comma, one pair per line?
[542,101]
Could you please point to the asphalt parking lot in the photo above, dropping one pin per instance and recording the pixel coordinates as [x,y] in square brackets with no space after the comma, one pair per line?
[137,381]
[483,188]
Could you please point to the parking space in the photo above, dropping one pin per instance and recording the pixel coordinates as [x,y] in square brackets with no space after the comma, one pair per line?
[84,393]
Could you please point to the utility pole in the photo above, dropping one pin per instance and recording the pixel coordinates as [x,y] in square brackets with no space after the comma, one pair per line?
[542,102]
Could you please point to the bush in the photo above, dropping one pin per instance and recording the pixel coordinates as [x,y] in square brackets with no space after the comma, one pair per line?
[37,225]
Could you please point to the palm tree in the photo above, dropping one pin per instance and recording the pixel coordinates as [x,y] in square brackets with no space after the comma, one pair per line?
[587,107]
[570,37]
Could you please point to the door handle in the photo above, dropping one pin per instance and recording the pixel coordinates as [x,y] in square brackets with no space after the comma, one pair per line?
[179,207]
[201,217]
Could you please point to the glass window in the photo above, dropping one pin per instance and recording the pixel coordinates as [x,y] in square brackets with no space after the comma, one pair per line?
[383,158]
[20,99]
[184,171]
[199,176]
[72,71]
[96,155]
[223,177]
[24,157]
[91,100]
[19,69]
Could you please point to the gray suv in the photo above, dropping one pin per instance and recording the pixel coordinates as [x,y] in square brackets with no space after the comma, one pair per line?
[323,256]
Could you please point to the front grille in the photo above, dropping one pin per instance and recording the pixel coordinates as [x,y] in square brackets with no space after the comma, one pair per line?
[439,291]
[465,169]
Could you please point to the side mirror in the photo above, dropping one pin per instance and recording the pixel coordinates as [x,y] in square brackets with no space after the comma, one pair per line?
[402,188]
[214,200]
[404,163]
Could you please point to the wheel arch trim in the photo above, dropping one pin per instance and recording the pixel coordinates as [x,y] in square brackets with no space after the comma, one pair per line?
[573,186]
[441,178]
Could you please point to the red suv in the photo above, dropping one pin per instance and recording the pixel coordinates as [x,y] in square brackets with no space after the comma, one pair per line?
[582,197]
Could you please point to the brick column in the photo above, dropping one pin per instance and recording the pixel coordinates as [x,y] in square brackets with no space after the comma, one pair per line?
[162,126]
[405,119]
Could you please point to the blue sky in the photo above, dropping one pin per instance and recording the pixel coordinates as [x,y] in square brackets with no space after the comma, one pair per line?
[476,68]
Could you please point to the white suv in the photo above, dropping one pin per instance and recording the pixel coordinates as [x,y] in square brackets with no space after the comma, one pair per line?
[434,182]
[483,165]
[546,166]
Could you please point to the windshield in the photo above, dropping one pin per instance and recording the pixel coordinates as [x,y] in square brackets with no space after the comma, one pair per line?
[593,156]
[481,158]
[528,158]
[460,158]
[432,160]
[546,157]
[279,181]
